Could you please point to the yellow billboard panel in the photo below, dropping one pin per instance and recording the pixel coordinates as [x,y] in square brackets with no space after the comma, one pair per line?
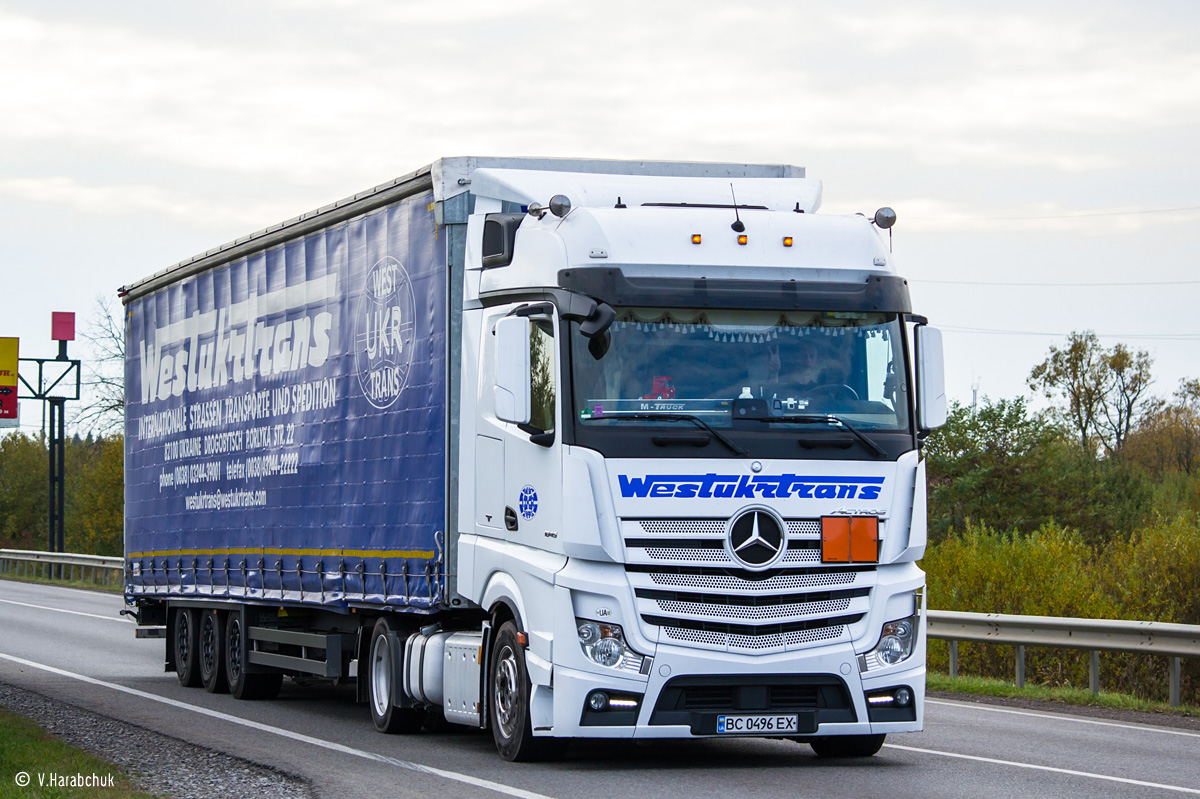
[8,379]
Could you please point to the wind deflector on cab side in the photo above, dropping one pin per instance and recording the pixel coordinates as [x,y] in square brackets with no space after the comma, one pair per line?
[499,238]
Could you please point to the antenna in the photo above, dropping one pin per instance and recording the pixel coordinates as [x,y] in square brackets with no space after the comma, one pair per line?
[738,226]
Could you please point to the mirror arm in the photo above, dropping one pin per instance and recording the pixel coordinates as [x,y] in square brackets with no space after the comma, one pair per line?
[543,438]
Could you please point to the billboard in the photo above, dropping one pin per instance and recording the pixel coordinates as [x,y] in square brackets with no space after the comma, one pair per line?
[8,382]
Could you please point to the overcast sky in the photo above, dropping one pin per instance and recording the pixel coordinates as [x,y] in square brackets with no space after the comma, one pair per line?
[1028,143]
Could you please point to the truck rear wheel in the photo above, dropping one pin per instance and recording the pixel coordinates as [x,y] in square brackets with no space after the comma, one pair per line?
[212,653]
[508,708]
[381,686]
[242,684]
[846,745]
[187,667]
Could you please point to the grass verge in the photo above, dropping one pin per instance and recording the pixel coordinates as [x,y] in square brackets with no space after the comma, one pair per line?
[88,584]
[986,686]
[29,752]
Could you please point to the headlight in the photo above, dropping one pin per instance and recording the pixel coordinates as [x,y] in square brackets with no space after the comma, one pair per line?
[896,642]
[605,644]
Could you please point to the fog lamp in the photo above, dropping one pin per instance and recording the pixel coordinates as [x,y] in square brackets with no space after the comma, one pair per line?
[598,700]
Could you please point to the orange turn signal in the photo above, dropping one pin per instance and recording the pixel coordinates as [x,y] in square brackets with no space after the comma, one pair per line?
[695,238]
[849,539]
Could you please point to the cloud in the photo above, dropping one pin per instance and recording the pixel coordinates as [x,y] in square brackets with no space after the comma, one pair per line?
[346,94]
[132,200]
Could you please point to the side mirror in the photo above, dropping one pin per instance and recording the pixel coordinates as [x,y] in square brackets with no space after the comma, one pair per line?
[512,391]
[931,379]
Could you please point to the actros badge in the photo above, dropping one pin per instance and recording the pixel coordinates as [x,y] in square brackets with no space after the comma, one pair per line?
[756,539]
[383,332]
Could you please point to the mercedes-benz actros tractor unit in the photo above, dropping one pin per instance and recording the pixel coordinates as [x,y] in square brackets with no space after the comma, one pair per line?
[557,448]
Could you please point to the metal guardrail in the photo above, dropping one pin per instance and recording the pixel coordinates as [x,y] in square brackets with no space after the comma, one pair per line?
[1174,641]
[63,566]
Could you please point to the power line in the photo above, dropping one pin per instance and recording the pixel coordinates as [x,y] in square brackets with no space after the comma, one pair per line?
[1081,215]
[1059,285]
[1150,336]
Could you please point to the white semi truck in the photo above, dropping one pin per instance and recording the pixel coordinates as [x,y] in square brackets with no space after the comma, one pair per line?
[559,448]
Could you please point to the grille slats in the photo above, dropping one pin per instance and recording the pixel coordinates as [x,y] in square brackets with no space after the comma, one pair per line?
[717,604]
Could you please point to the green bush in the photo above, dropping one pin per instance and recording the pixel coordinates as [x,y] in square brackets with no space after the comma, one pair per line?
[1152,575]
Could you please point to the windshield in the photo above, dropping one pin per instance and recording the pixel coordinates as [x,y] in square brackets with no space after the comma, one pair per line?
[656,361]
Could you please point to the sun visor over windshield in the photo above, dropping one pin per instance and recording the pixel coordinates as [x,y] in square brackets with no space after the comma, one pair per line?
[610,284]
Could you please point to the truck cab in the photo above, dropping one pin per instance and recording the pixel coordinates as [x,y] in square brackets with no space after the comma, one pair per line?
[694,409]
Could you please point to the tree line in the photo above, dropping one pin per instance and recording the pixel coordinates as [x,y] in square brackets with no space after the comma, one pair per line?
[1089,509]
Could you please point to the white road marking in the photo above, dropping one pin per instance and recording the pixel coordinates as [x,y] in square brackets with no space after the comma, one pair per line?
[295,736]
[1056,717]
[1035,767]
[122,619]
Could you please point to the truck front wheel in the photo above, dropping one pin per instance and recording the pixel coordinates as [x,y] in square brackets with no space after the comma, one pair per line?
[846,745]
[381,686]
[187,666]
[508,710]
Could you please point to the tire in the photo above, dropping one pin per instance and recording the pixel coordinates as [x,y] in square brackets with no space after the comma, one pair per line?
[846,745]
[211,653]
[242,684]
[382,689]
[187,663]
[509,690]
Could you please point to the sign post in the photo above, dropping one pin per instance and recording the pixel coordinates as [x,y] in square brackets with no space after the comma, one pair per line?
[54,386]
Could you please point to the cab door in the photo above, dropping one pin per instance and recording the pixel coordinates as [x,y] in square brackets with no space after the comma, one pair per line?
[519,460]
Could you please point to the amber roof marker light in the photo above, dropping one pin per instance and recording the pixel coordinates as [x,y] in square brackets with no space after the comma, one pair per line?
[695,238]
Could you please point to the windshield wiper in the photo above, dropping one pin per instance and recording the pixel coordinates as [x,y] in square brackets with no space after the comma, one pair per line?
[825,418]
[683,417]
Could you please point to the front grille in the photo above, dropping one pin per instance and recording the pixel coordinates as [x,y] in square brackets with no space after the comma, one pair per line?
[750,630]
[735,584]
[687,584]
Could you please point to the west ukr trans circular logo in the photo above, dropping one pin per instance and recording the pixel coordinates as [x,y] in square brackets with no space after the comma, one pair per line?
[528,502]
[383,332]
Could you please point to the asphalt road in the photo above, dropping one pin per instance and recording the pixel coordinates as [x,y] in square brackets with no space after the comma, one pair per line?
[72,645]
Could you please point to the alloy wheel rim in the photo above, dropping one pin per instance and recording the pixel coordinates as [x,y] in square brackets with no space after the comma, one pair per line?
[181,638]
[235,651]
[507,695]
[208,646]
[381,666]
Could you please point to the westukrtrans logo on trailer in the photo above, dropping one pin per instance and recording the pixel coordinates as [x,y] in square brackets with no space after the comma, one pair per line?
[239,342]
[383,333]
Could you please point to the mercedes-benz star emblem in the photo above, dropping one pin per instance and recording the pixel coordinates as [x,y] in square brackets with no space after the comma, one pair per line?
[756,539]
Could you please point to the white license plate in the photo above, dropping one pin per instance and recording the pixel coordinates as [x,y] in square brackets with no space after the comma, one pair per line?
[758,725]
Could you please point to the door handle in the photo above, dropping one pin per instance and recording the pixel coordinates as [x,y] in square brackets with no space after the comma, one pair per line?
[510,519]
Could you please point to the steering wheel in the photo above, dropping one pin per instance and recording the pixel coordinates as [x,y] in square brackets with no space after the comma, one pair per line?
[833,392]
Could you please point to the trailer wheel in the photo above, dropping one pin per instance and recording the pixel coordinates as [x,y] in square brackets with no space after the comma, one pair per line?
[846,745]
[241,684]
[187,667]
[382,688]
[212,653]
[508,708]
